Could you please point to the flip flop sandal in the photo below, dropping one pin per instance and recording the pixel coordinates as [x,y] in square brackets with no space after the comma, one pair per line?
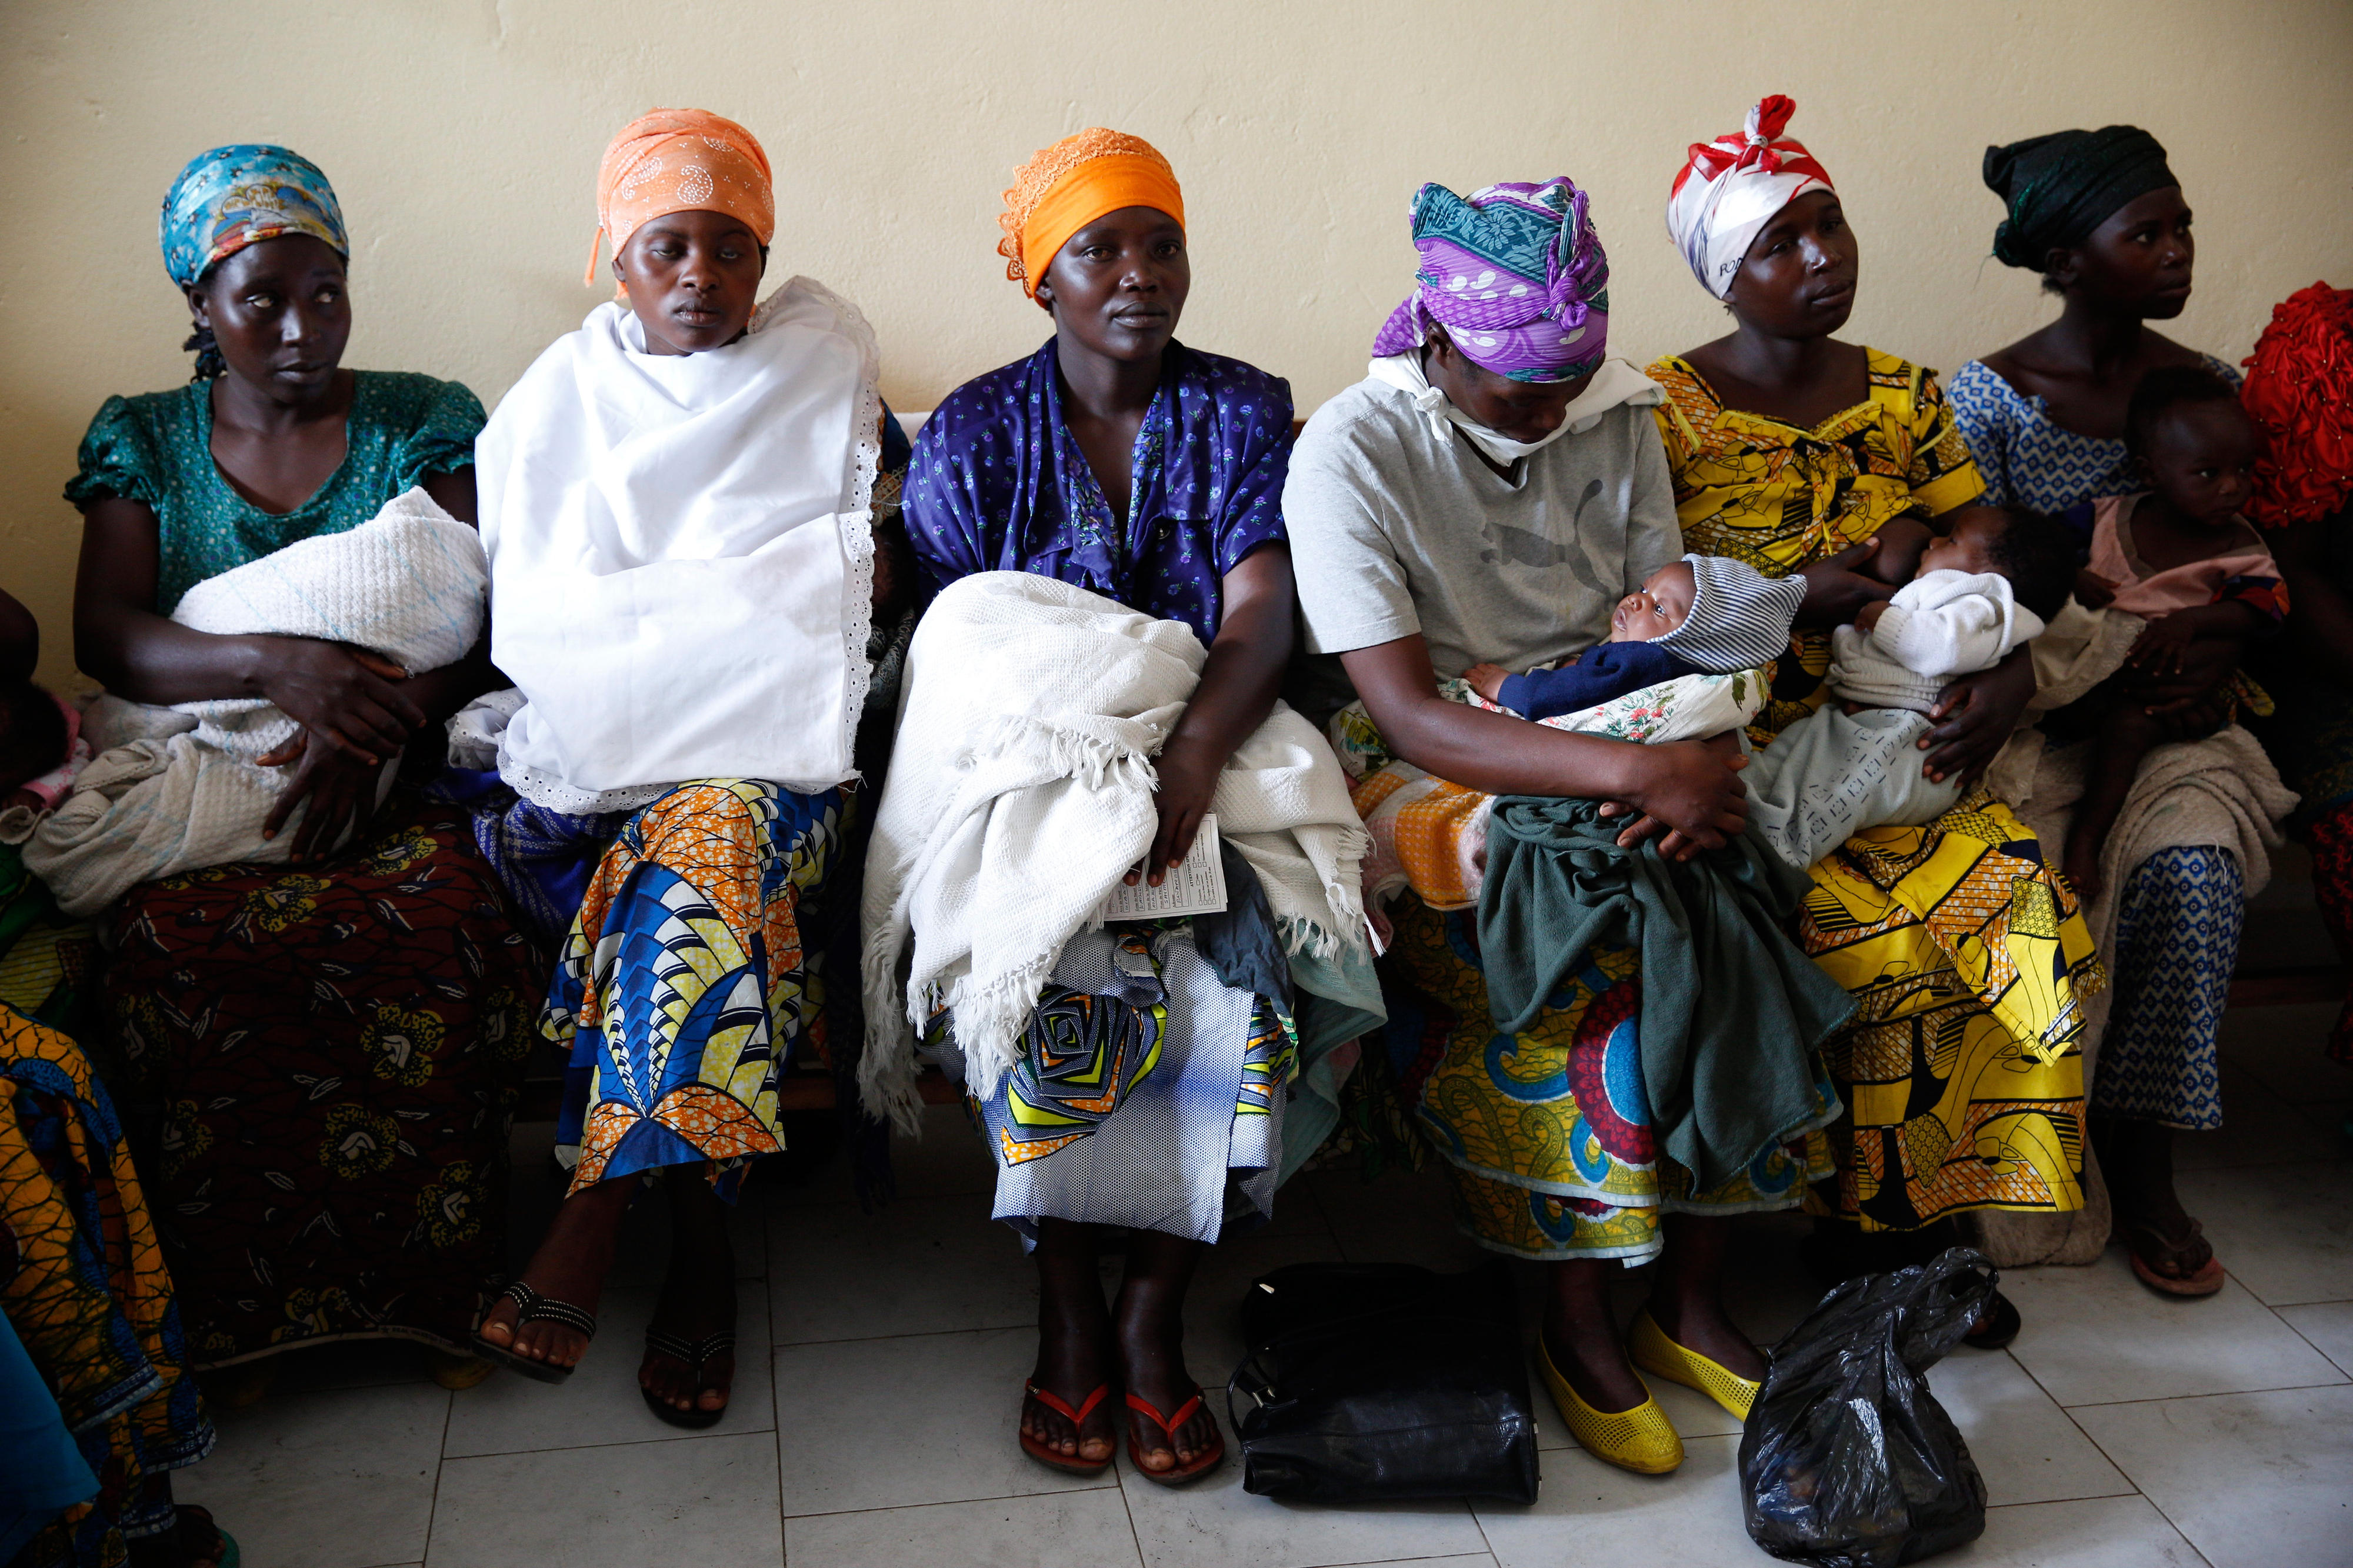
[1046,1452]
[2149,1247]
[1998,1325]
[696,1353]
[530,1306]
[1168,1424]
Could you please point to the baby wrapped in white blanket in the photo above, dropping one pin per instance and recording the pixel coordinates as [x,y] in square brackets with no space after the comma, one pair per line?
[180,788]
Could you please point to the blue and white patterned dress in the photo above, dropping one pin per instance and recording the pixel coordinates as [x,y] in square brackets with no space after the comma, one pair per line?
[2182,909]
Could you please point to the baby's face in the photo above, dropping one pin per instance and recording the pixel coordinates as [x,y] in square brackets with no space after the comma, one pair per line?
[2201,458]
[1969,546]
[1657,607]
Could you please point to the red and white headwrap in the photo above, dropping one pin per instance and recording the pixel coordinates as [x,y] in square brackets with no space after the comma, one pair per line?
[1731,187]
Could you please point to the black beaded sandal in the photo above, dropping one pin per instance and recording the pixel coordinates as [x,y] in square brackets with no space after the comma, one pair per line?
[532,1307]
[696,1353]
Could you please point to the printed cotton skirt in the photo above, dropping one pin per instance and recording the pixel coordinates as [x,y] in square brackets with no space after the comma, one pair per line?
[1148,1095]
[690,973]
[89,1296]
[1546,1135]
[337,1050]
[1962,1073]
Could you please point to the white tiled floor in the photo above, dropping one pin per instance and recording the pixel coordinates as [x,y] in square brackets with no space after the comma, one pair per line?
[2123,1430]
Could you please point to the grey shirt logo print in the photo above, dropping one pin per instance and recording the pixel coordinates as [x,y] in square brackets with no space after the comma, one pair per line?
[1521,547]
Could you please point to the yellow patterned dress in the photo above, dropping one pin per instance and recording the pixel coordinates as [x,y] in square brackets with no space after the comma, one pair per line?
[1969,957]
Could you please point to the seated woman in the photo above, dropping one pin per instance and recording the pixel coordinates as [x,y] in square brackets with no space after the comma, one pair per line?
[2100,215]
[1797,452]
[1488,495]
[335,1045]
[678,502]
[1118,461]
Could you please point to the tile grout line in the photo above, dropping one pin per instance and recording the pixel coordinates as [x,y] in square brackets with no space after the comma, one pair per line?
[440,1459]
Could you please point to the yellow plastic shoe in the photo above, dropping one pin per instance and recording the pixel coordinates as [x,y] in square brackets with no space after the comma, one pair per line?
[1654,1353]
[1642,1439]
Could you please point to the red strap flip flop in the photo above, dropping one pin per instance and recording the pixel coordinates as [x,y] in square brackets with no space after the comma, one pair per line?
[1168,1424]
[1045,1453]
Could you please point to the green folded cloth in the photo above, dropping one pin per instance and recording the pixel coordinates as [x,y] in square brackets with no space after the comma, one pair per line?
[1732,1009]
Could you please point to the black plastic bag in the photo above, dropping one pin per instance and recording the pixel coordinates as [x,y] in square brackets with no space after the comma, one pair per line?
[1383,1379]
[1848,1461]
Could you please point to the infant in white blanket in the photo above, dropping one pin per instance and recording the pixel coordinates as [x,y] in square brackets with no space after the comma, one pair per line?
[1982,589]
[177,789]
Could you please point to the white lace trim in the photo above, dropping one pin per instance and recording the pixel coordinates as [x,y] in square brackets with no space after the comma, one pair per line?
[857,515]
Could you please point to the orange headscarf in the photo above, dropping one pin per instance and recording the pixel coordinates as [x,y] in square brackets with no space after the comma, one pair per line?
[676,161]
[1069,185]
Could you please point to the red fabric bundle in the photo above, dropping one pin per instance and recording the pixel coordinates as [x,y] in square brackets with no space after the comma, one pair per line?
[2300,390]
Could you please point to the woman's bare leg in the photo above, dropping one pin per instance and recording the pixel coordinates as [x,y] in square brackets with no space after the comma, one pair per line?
[570,1267]
[1074,1344]
[1152,1346]
[698,1295]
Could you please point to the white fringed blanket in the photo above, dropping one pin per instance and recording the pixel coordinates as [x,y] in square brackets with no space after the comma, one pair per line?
[1020,792]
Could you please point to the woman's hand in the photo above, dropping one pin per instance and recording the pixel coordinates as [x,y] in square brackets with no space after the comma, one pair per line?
[1837,587]
[348,699]
[1188,778]
[339,786]
[1689,790]
[1976,717]
[2093,591]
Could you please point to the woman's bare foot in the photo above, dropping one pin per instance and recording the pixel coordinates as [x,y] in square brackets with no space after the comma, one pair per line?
[1151,1324]
[1074,1348]
[698,1298]
[569,1267]
[1487,681]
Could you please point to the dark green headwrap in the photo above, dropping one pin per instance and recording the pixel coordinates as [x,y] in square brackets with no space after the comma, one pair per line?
[2061,186]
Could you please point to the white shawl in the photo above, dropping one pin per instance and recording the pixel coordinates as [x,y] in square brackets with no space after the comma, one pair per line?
[1020,792]
[681,566]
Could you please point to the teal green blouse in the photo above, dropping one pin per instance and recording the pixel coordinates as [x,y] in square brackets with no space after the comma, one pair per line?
[157,448]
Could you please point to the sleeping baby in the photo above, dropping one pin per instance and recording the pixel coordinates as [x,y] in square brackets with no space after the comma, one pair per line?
[1981,590]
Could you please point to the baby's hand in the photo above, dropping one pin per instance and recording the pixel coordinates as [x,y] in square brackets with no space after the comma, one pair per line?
[2162,644]
[1487,681]
[2093,591]
[1868,617]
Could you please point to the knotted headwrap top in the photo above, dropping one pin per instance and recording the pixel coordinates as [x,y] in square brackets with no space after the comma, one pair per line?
[1516,276]
[678,161]
[2061,187]
[1063,188]
[241,194]
[1729,188]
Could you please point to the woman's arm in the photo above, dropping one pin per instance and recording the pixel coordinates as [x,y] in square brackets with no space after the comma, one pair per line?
[1693,790]
[1237,691]
[147,658]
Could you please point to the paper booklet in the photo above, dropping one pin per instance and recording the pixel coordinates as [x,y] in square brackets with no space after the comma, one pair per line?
[1194,887]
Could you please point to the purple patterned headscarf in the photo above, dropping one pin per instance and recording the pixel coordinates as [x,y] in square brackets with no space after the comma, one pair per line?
[1516,276]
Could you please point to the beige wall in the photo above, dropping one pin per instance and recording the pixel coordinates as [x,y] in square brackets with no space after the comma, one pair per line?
[463,135]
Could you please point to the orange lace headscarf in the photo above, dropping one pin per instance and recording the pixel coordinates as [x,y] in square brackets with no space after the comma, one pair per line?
[677,161]
[1069,185]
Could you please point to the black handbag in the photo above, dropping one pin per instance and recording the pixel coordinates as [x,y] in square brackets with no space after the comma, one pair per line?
[1377,1381]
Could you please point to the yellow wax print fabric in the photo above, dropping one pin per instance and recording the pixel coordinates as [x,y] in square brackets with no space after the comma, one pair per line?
[1967,956]
[1781,497]
[1545,1134]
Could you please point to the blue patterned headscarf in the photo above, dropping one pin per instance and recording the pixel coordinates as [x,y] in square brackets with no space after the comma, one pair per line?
[238,195]
[1516,275]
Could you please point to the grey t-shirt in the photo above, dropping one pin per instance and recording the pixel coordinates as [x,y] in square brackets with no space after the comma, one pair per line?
[1394,531]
